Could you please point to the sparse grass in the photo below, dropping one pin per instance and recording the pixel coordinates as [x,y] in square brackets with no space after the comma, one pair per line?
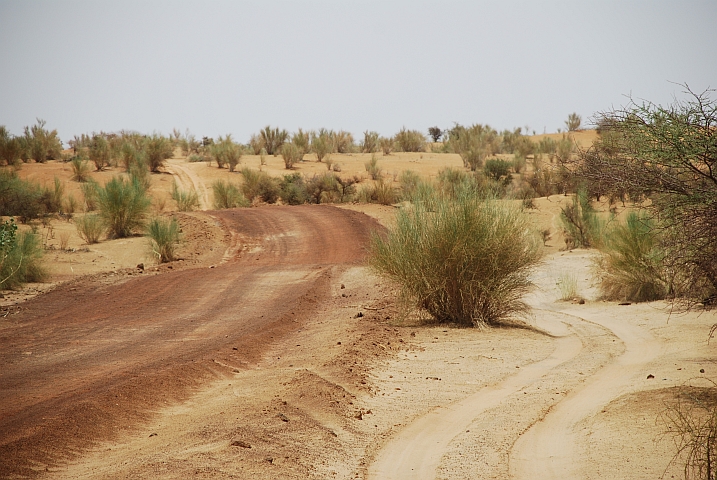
[228,195]
[89,194]
[567,284]
[164,235]
[466,262]
[186,200]
[374,171]
[123,205]
[632,263]
[691,420]
[583,227]
[64,240]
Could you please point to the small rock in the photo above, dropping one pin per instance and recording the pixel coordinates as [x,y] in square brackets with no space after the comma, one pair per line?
[359,315]
[625,303]
[702,370]
[343,295]
[153,434]
[240,443]
[269,459]
[235,348]
[343,286]
[358,416]
[283,417]
[650,376]
[140,266]
[581,301]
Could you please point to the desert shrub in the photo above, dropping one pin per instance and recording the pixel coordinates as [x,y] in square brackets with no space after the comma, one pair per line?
[226,152]
[547,146]
[186,200]
[80,169]
[374,171]
[380,192]
[302,141]
[496,168]
[256,144]
[259,185]
[343,141]
[138,172]
[20,256]
[453,182]
[163,235]
[435,133]
[89,227]
[228,195]
[41,144]
[89,195]
[122,206]
[330,188]
[195,157]
[518,163]
[69,206]
[667,156]
[410,141]
[99,152]
[291,155]
[409,181]
[387,145]
[10,147]
[51,198]
[370,142]
[466,262]
[631,265]
[474,144]
[691,420]
[293,190]
[20,198]
[158,149]
[321,145]
[583,227]
[272,139]
[567,284]
[573,122]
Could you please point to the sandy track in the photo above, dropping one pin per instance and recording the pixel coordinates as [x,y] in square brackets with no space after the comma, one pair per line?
[188,180]
[550,448]
[416,452]
[87,361]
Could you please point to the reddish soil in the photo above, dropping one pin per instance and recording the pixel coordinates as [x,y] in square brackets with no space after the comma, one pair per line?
[89,359]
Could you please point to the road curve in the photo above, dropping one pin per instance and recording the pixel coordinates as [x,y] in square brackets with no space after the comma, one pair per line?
[548,449]
[87,360]
[415,452]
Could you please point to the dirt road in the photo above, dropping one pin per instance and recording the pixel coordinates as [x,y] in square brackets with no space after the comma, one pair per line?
[86,361]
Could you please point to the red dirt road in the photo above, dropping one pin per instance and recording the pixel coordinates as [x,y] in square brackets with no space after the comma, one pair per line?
[88,360]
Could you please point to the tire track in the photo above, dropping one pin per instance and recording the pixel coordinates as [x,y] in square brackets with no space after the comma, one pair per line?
[548,450]
[416,451]
[188,180]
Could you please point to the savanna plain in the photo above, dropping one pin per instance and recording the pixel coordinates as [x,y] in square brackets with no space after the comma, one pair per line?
[241,327]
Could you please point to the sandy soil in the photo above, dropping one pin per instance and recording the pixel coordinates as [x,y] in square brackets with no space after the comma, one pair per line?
[270,351]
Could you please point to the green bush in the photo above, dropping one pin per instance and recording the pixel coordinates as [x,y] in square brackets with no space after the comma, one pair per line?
[89,227]
[293,190]
[466,262]
[186,200]
[496,168]
[631,266]
[291,155]
[226,152]
[583,227]
[330,188]
[10,147]
[158,149]
[387,145]
[474,144]
[259,185]
[42,144]
[370,142]
[409,181]
[410,141]
[20,256]
[228,195]
[89,193]
[380,192]
[99,152]
[21,198]
[122,206]
[272,139]
[321,145]
[80,169]
[164,235]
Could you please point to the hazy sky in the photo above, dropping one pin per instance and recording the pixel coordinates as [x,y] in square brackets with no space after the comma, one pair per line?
[234,67]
